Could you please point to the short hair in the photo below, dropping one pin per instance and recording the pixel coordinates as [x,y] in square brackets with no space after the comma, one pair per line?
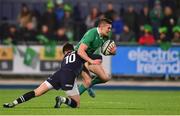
[104,20]
[67,47]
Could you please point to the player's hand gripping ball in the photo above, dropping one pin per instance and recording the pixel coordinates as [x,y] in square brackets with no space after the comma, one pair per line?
[108,48]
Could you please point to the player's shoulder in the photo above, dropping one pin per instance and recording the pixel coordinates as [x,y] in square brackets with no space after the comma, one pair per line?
[92,31]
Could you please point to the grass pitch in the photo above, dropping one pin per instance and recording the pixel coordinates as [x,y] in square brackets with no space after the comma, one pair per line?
[107,102]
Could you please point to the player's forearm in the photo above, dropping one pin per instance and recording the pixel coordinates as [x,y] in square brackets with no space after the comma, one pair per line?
[84,55]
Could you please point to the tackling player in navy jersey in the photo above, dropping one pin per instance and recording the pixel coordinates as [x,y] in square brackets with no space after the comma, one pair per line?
[64,78]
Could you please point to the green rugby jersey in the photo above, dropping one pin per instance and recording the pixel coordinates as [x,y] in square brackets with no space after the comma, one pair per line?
[93,40]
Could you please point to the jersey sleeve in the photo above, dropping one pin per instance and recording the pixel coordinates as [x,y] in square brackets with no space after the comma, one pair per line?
[88,38]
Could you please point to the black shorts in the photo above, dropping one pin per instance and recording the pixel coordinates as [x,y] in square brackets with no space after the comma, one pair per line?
[63,79]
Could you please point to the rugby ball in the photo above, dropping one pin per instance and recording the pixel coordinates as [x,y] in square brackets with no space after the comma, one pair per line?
[107,46]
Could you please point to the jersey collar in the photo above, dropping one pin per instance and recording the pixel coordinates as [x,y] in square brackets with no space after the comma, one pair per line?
[99,33]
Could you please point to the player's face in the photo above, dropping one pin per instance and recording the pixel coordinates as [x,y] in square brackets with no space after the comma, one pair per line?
[105,29]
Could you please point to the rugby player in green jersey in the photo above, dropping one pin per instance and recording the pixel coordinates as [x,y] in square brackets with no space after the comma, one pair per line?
[88,45]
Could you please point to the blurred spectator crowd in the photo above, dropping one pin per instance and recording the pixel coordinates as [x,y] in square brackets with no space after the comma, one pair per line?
[63,22]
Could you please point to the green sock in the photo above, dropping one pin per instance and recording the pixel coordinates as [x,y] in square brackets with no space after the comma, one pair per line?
[96,80]
[82,89]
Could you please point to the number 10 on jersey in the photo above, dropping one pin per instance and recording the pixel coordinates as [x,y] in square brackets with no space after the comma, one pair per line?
[70,58]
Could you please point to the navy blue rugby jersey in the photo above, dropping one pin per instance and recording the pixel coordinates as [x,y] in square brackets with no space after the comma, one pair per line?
[73,62]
